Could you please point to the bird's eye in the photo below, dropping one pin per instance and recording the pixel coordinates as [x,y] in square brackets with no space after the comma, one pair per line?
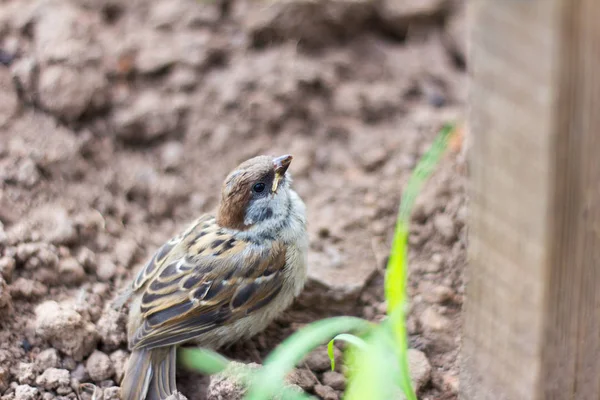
[259,187]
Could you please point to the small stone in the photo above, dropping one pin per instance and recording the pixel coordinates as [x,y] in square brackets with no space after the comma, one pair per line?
[111,328]
[105,268]
[4,379]
[99,366]
[70,271]
[303,378]
[113,393]
[54,379]
[119,360]
[150,116]
[225,386]
[27,173]
[182,79]
[309,23]
[26,392]
[433,321]
[419,367]
[334,379]
[373,158]
[326,392]
[398,16]
[47,359]
[5,299]
[69,92]
[53,224]
[27,289]
[87,258]
[435,293]
[152,58]
[9,100]
[171,156]
[7,267]
[451,382]
[444,225]
[318,360]
[180,396]
[80,374]
[53,320]
[26,373]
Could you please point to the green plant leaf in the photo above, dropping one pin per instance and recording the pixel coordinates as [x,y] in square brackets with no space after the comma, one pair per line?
[374,368]
[346,337]
[202,360]
[397,268]
[289,353]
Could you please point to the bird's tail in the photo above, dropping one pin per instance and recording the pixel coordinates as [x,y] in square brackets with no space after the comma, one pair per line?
[150,374]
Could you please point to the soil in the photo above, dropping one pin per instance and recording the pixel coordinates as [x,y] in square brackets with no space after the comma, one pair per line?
[120,119]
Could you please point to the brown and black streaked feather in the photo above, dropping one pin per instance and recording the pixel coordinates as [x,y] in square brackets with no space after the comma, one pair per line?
[204,279]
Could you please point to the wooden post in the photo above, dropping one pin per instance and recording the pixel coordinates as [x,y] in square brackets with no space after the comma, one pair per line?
[532,314]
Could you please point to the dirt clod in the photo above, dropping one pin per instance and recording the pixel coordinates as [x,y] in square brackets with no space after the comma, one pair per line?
[55,379]
[431,320]
[53,320]
[119,359]
[26,392]
[26,373]
[318,360]
[303,378]
[99,366]
[112,393]
[334,379]
[420,368]
[326,392]
[47,359]
[5,299]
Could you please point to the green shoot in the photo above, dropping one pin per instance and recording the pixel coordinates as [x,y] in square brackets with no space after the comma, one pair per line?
[289,353]
[346,337]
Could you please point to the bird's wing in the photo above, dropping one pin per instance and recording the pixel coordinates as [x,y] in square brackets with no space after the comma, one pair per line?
[210,280]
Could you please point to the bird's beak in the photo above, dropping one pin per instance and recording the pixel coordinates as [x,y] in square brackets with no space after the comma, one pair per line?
[280,164]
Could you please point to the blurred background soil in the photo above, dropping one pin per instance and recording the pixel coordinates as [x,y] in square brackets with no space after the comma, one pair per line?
[120,119]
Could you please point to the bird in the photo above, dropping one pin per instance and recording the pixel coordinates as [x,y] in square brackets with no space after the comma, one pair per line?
[223,279]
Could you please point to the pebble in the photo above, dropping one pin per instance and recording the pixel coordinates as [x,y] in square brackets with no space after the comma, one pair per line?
[303,378]
[26,373]
[146,118]
[27,289]
[69,93]
[171,155]
[99,366]
[326,392]
[334,379]
[4,379]
[113,393]
[26,392]
[420,368]
[444,225]
[71,271]
[5,298]
[318,360]
[55,379]
[7,267]
[435,293]
[433,321]
[53,320]
[105,268]
[47,359]
[111,328]
[118,359]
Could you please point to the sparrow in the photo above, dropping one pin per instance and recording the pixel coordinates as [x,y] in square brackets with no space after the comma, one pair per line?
[223,279]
